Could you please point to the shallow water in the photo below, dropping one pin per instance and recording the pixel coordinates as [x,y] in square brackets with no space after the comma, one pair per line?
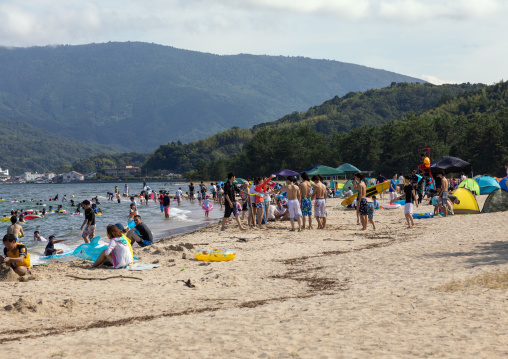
[186,217]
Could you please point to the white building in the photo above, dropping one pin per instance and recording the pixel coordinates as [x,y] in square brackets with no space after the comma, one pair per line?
[49,175]
[72,176]
[29,176]
[4,174]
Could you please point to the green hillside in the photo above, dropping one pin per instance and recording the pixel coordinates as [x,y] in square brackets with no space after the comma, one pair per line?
[472,126]
[28,148]
[139,95]
[354,110]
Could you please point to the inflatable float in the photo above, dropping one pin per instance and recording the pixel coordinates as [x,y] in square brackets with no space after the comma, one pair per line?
[215,255]
[62,211]
[210,207]
[422,215]
[391,206]
[32,216]
[5,219]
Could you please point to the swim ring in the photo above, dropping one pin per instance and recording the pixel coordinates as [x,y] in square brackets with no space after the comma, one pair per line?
[29,211]
[210,207]
[391,206]
[5,219]
[422,215]
[62,211]
[98,214]
[215,255]
[33,216]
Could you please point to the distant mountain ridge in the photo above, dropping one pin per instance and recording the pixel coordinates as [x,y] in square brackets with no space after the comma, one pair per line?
[136,96]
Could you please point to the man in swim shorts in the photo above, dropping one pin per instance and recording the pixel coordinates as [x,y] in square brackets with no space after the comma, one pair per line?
[140,234]
[294,198]
[230,203]
[306,204]
[89,231]
[443,193]
[320,191]
[362,208]
[15,255]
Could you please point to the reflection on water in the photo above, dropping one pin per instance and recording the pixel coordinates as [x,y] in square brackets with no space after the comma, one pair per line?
[186,217]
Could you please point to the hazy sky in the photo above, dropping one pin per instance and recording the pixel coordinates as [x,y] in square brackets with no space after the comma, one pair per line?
[436,40]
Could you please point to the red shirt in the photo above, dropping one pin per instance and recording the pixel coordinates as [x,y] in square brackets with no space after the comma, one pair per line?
[259,189]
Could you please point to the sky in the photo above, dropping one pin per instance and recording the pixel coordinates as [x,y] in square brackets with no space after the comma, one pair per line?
[440,41]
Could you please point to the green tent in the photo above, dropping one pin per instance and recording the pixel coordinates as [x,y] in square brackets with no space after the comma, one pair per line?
[324,171]
[497,201]
[471,185]
[237,181]
[347,168]
[349,184]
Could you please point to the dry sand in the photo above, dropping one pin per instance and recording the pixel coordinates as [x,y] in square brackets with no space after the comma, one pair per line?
[335,293]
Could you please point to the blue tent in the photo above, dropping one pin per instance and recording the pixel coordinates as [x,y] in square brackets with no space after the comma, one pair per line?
[504,183]
[487,184]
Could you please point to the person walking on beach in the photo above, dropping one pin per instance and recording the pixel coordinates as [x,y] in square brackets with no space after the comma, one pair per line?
[443,193]
[393,187]
[306,202]
[230,203]
[294,199]
[89,231]
[362,209]
[409,195]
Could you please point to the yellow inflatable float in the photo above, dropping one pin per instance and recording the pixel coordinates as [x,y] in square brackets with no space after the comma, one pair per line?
[215,255]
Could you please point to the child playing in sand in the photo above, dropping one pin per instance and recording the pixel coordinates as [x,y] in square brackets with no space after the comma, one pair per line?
[118,252]
[206,206]
[50,247]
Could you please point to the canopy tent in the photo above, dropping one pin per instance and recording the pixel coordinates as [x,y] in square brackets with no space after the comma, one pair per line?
[497,201]
[347,168]
[347,185]
[286,173]
[487,184]
[323,171]
[468,204]
[236,181]
[471,185]
[504,183]
[450,164]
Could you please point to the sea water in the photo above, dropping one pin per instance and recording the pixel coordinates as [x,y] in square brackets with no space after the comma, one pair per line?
[184,218]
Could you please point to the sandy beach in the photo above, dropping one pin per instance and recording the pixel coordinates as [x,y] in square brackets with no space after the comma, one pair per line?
[334,293]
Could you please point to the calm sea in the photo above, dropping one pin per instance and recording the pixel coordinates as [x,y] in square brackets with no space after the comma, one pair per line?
[184,218]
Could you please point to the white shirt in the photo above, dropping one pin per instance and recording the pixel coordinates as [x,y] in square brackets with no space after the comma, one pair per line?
[252,190]
[401,180]
[41,239]
[178,193]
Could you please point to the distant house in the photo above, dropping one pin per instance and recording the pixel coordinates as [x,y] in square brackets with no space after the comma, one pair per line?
[123,170]
[4,175]
[29,176]
[49,175]
[72,176]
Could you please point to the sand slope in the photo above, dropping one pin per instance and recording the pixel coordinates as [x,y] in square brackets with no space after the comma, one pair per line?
[338,293]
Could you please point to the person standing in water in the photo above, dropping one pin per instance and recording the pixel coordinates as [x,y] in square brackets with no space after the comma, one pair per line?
[89,231]
[15,229]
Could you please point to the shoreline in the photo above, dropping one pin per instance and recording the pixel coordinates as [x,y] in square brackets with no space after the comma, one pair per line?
[339,292]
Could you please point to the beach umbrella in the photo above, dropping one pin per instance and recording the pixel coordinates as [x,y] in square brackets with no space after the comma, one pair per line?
[286,173]
[449,164]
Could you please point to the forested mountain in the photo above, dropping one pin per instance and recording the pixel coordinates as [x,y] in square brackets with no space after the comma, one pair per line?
[139,95]
[354,110]
[472,126]
[28,148]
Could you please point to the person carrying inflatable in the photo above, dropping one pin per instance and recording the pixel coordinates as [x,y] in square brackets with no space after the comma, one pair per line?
[426,163]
